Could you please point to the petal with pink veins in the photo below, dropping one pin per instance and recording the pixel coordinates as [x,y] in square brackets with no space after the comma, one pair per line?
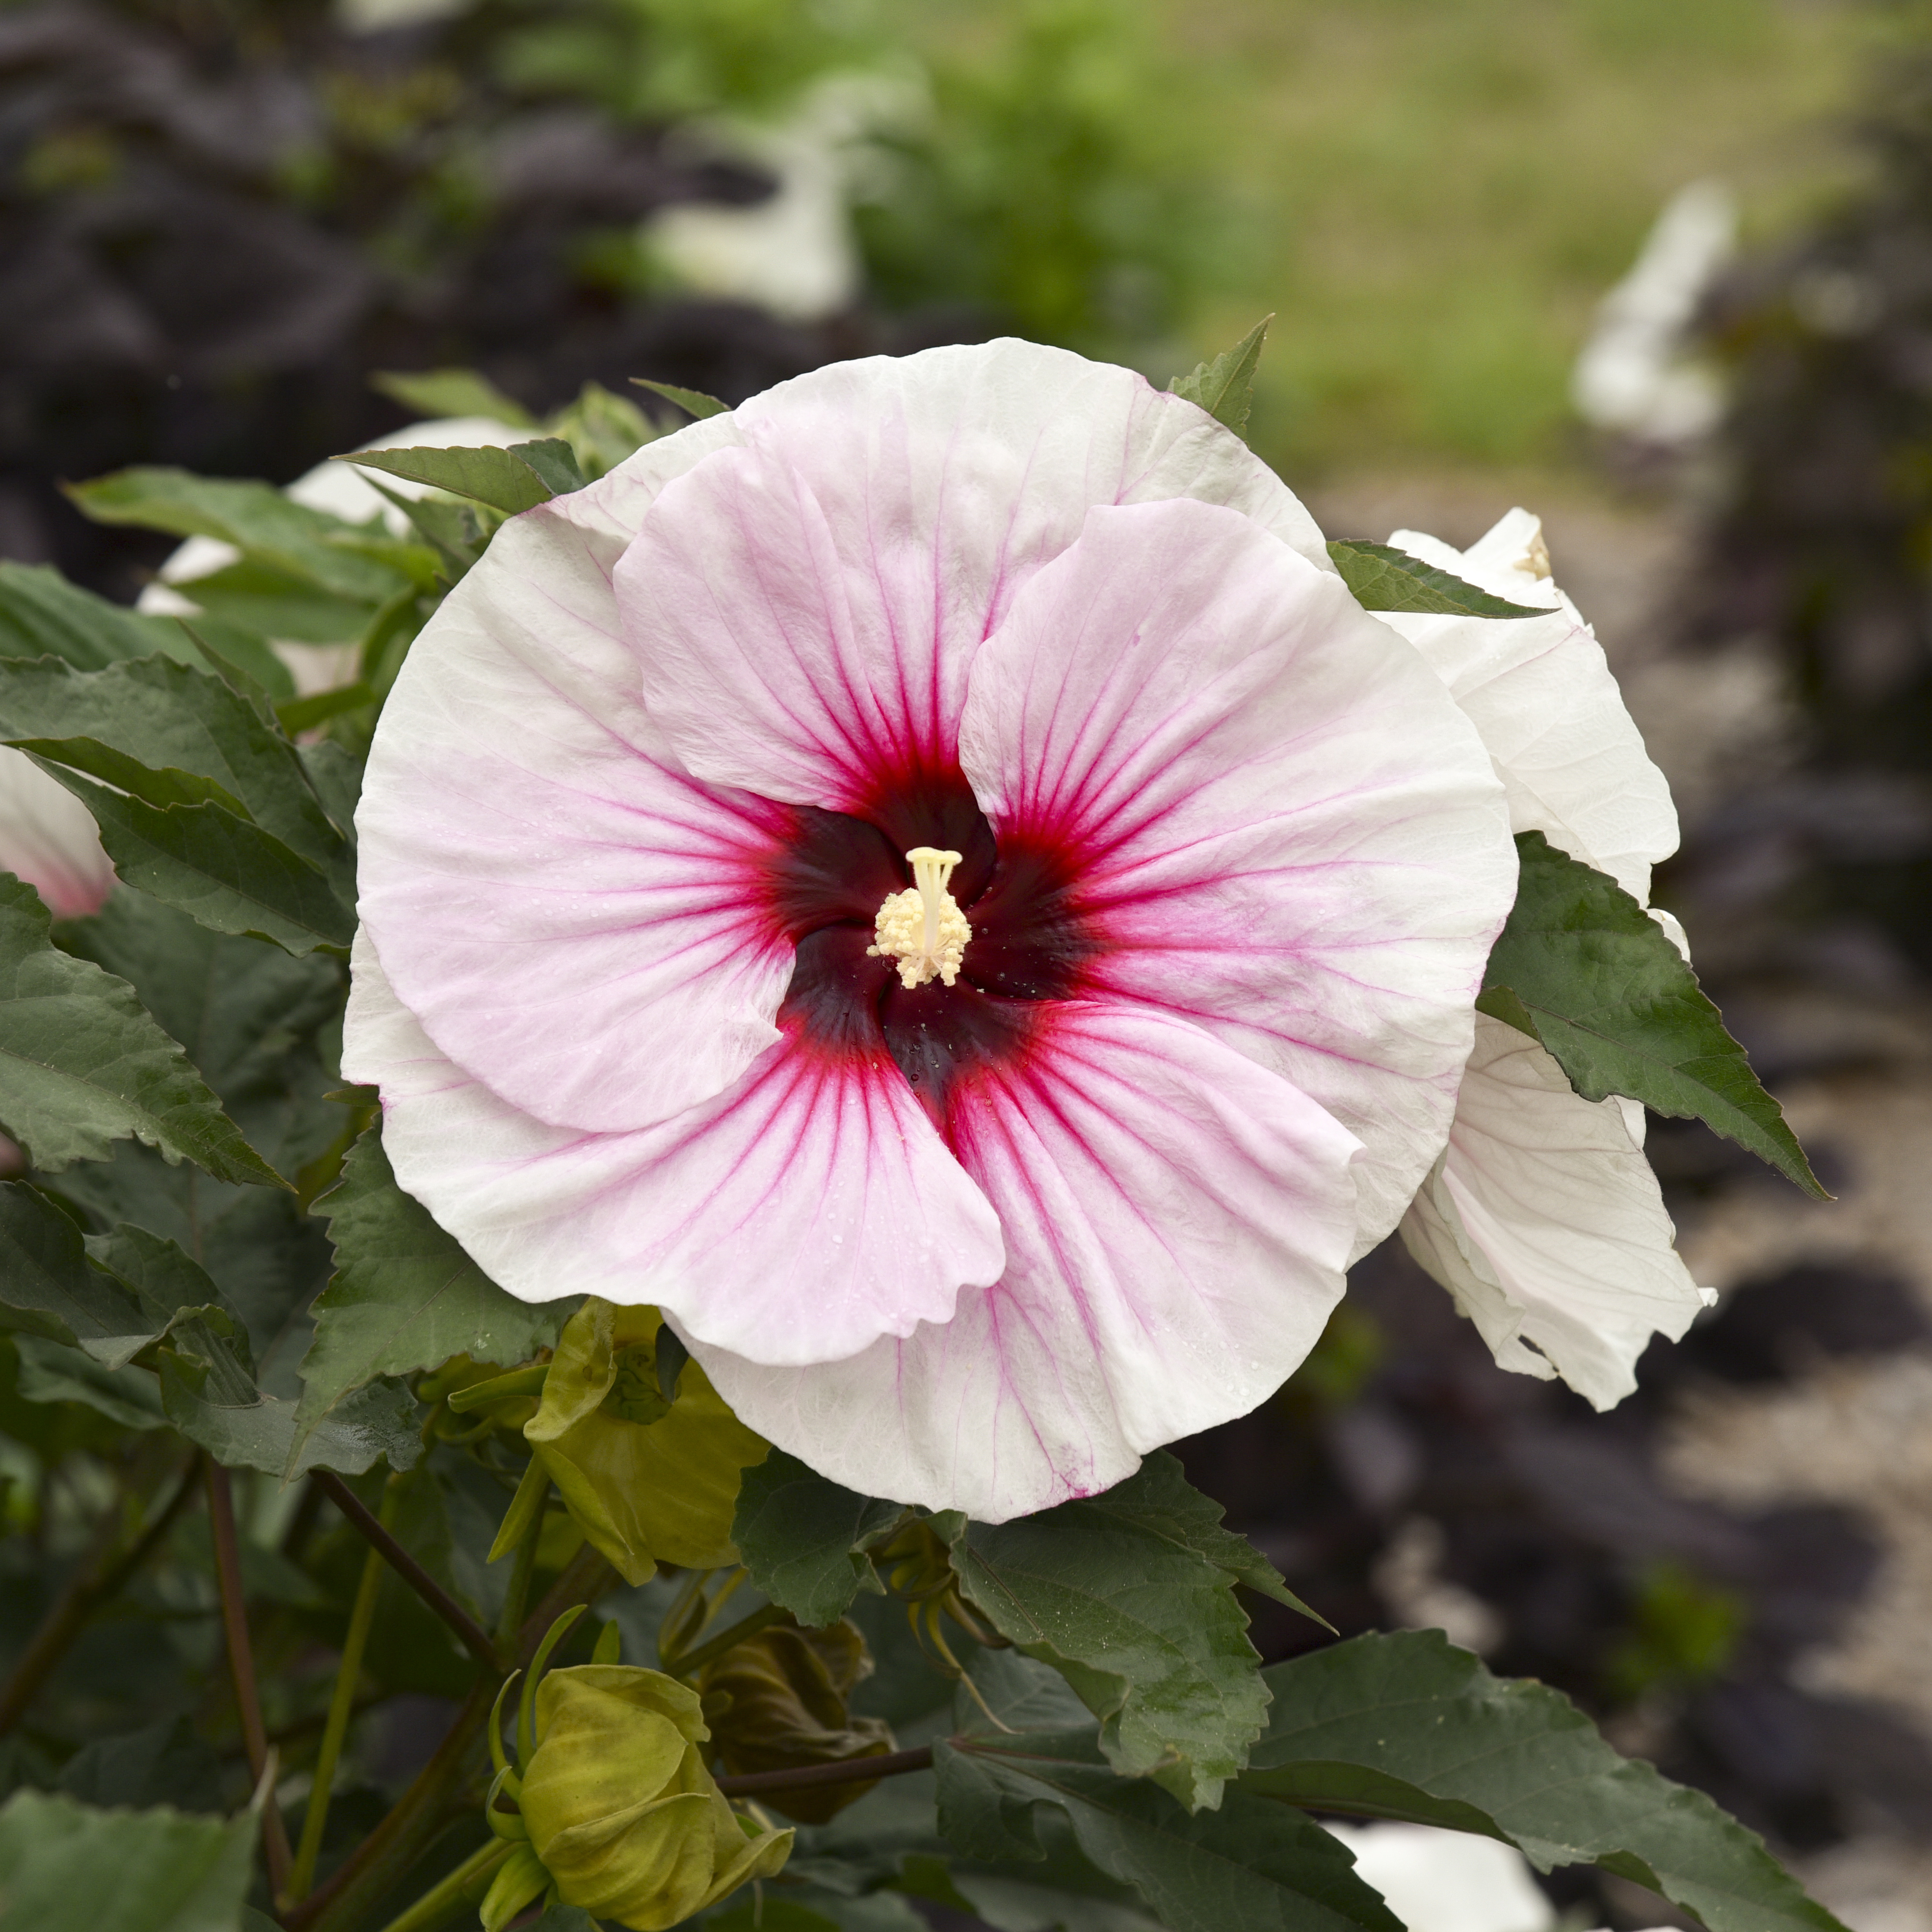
[48,837]
[1177,1220]
[805,608]
[1278,823]
[1540,692]
[808,1210]
[538,870]
[1544,1221]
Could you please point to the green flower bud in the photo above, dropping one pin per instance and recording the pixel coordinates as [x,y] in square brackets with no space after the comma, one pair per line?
[650,1480]
[777,1700]
[619,1807]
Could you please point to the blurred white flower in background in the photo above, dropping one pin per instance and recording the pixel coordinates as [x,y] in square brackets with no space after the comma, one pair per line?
[1638,375]
[1437,1881]
[795,252]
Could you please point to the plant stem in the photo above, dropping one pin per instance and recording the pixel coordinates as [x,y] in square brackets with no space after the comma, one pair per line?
[853,1770]
[91,1586]
[241,1664]
[474,1639]
[341,1705]
[454,1777]
[727,1639]
[448,1895]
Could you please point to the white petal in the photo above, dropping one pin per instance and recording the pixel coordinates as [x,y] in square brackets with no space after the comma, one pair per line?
[1540,692]
[1544,1221]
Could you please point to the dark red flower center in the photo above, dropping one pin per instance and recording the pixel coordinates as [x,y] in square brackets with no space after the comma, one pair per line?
[1030,942]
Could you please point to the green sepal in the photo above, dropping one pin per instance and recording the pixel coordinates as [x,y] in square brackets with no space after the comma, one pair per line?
[694,402]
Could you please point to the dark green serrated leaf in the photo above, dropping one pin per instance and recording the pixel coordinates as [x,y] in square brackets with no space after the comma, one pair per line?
[1581,968]
[554,462]
[83,1064]
[803,1539]
[1381,578]
[256,518]
[250,1016]
[1249,1867]
[65,1867]
[202,1392]
[168,733]
[490,475]
[1127,1596]
[41,614]
[1357,1725]
[404,1296]
[225,872]
[337,780]
[48,1373]
[1225,388]
[693,402]
[451,392]
[49,1288]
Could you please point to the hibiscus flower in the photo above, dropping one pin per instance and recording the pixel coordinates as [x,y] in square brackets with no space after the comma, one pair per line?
[931,880]
[1542,1216]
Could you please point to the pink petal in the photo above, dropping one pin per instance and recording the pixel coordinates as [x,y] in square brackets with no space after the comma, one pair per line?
[1280,825]
[800,1215]
[1177,1220]
[1544,1221]
[574,919]
[48,837]
[804,608]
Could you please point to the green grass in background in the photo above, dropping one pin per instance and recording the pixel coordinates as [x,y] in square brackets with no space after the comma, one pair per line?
[1435,193]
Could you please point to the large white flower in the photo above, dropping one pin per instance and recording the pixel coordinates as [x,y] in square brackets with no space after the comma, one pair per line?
[1542,1216]
[930,879]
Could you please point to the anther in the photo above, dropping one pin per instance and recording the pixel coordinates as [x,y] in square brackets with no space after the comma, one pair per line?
[921,927]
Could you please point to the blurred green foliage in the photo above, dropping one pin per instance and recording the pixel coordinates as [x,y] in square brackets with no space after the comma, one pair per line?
[1683,1632]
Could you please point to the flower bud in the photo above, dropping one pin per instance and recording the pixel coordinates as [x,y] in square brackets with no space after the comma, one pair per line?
[779,1699]
[619,1807]
[648,1480]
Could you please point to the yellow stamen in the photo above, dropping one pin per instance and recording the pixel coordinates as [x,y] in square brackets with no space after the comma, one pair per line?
[921,927]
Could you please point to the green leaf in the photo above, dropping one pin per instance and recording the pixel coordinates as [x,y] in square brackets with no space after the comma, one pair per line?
[83,1064]
[65,1867]
[221,869]
[203,1393]
[1405,1726]
[1130,1596]
[48,1373]
[48,1286]
[404,1296]
[1381,578]
[1249,1867]
[693,402]
[554,462]
[1225,388]
[1581,968]
[451,392]
[803,1539]
[272,604]
[42,614]
[499,477]
[169,734]
[257,519]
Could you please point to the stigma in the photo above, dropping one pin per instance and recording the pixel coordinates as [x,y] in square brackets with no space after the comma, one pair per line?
[923,927]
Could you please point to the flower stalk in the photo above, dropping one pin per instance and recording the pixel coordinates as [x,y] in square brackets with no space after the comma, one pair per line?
[241,1665]
[341,1708]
